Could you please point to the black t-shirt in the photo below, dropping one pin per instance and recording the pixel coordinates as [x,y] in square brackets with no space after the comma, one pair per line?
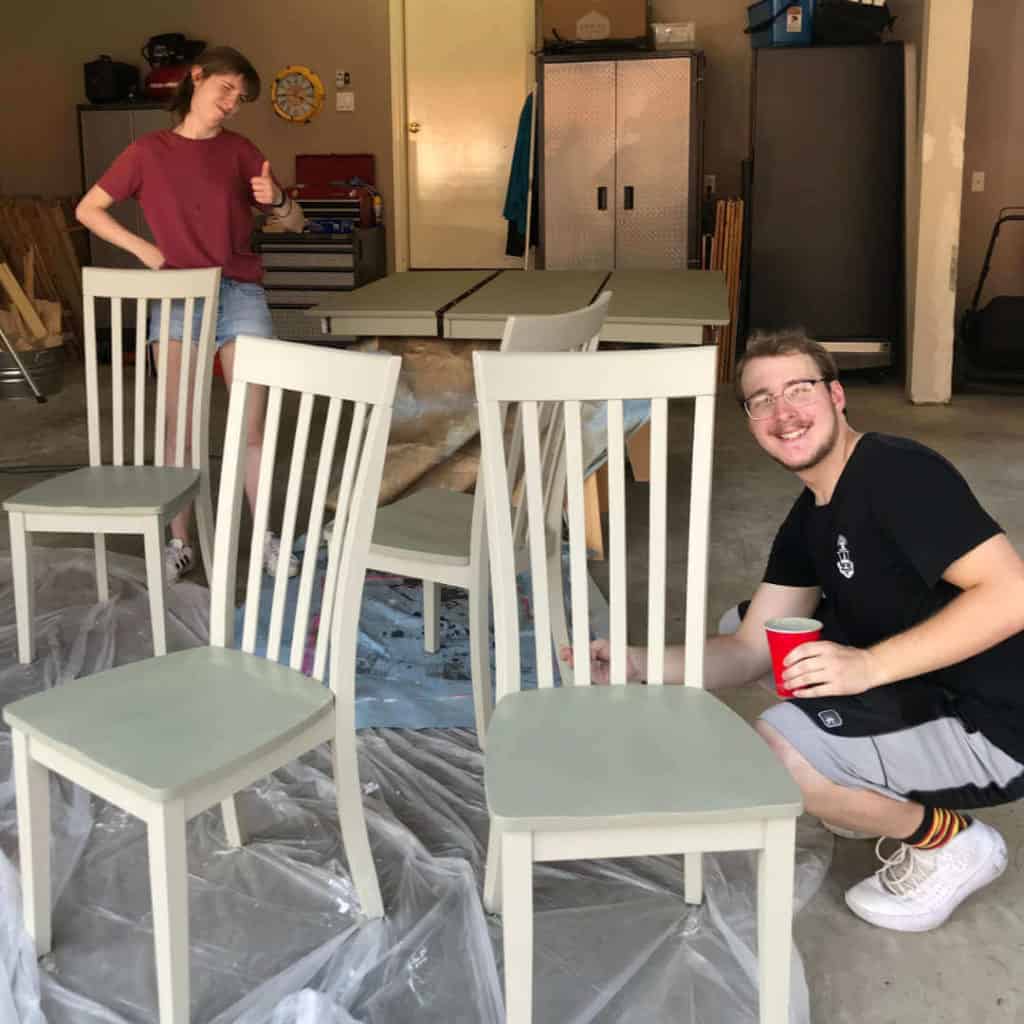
[900,515]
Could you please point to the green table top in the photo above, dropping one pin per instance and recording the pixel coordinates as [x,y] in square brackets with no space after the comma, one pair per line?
[659,306]
[695,297]
[515,292]
[404,303]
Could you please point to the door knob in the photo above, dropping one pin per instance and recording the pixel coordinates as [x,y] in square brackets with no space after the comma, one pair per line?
[414,127]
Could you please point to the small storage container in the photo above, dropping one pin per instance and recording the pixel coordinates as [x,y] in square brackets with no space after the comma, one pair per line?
[780,23]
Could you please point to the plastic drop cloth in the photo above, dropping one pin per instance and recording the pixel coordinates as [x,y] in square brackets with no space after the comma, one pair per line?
[276,936]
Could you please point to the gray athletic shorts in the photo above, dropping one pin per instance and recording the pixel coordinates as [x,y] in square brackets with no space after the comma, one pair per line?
[939,763]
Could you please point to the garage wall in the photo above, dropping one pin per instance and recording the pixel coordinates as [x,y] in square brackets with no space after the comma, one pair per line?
[46,42]
[995,145]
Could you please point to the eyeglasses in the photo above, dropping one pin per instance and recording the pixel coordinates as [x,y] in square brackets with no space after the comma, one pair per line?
[796,393]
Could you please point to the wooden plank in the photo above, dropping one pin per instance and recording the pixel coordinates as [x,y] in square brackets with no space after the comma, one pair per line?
[21,302]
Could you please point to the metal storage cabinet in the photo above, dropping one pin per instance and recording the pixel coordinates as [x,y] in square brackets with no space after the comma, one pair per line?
[827,216]
[619,169]
[105,131]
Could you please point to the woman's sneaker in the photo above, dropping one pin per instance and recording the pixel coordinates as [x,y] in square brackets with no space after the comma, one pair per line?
[272,556]
[178,559]
[916,890]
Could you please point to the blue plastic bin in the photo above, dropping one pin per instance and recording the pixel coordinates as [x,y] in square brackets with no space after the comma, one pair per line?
[780,23]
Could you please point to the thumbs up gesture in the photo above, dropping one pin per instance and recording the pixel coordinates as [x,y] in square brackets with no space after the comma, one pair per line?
[264,188]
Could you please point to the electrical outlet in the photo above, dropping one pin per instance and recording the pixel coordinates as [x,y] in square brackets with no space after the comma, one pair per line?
[978,181]
[341,79]
[710,184]
[345,101]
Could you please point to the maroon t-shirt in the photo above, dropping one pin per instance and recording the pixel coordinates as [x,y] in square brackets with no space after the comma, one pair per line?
[197,198]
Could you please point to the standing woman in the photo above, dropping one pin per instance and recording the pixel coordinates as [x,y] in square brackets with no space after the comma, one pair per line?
[197,183]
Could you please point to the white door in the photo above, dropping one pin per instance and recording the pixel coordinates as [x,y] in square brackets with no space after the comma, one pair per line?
[468,70]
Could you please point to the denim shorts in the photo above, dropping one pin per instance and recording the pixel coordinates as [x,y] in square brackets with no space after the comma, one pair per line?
[243,310]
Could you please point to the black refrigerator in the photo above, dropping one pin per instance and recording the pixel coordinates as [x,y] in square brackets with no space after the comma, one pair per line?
[827,197]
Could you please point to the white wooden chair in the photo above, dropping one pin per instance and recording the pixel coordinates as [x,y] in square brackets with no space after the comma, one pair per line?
[169,737]
[437,535]
[614,771]
[109,496]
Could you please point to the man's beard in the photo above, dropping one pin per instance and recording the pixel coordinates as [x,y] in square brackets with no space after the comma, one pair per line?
[819,454]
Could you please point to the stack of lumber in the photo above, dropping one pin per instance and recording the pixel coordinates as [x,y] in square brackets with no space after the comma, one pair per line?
[726,248]
[29,323]
[41,250]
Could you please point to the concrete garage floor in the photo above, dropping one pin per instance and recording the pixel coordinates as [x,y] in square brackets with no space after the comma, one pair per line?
[966,970]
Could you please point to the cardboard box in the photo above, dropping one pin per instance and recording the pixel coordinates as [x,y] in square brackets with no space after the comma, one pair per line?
[589,21]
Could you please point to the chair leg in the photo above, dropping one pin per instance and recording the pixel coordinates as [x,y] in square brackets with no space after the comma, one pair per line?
[353,828]
[168,881]
[236,835]
[480,657]
[156,584]
[775,866]
[492,872]
[517,925]
[24,588]
[102,580]
[32,791]
[693,878]
[204,527]
[431,616]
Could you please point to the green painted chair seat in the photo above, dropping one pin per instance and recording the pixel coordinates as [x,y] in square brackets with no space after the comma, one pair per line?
[162,726]
[699,761]
[125,490]
[433,522]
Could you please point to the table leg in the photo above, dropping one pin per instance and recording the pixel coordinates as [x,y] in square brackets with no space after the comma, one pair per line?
[638,447]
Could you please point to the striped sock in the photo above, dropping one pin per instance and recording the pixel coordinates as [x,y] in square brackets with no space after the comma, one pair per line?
[937,828]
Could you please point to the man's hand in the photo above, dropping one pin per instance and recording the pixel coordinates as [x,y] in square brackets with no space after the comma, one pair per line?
[601,662]
[824,669]
[264,188]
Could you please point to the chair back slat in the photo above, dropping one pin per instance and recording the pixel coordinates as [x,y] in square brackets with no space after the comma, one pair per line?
[300,444]
[504,381]
[501,550]
[229,516]
[356,437]
[580,598]
[163,350]
[314,531]
[140,383]
[617,563]
[367,383]
[698,540]
[533,500]
[117,380]
[92,386]
[183,382]
[114,291]
[657,543]
[261,518]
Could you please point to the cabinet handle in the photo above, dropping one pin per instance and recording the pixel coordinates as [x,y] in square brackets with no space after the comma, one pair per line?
[602,197]
[627,197]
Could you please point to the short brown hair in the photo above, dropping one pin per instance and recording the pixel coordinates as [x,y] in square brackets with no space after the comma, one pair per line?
[219,60]
[787,342]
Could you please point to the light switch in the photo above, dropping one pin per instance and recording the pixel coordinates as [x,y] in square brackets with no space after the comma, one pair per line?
[345,101]
[978,181]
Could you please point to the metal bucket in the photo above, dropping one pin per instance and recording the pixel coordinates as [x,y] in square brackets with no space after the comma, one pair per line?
[45,365]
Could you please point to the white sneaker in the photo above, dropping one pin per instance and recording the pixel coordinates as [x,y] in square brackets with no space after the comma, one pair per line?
[272,555]
[847,833]
[916,890]
[178,559]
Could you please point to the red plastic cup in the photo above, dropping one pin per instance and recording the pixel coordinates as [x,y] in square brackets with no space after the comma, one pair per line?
[783,635]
